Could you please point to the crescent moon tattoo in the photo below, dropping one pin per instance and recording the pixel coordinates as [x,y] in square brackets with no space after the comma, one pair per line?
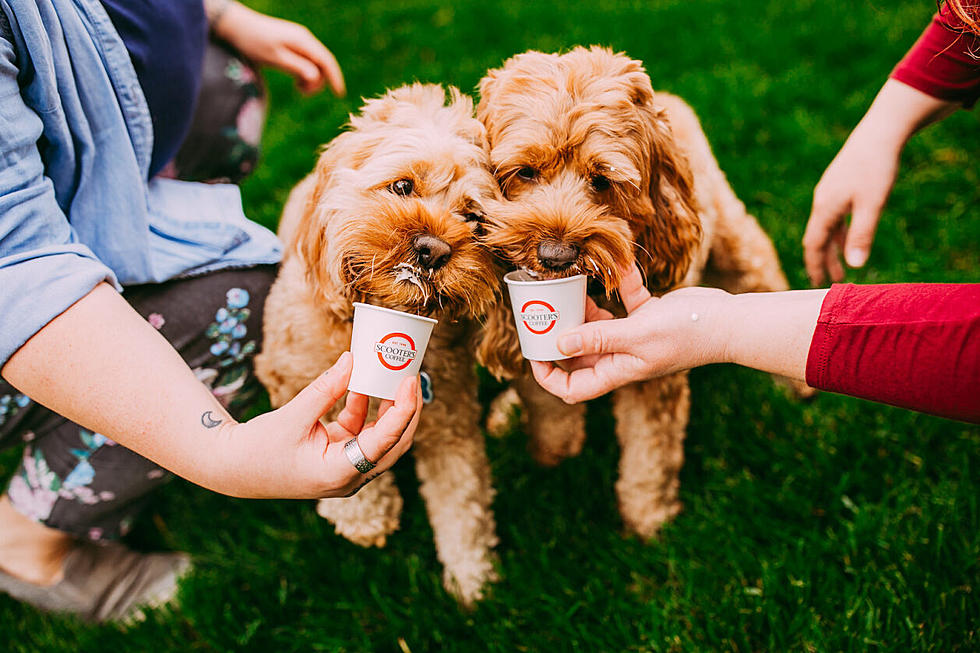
[208,421]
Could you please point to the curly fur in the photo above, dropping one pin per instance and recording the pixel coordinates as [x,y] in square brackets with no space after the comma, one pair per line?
[622,174]
[349,238]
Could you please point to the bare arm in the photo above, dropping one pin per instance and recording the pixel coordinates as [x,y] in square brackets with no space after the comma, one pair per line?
[683,329]
[284,45]
[101,365]
[859,179]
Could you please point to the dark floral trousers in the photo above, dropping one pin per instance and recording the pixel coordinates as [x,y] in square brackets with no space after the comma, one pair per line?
[82,482]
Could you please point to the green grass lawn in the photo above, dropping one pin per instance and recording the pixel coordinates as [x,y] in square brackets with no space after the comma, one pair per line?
[837,525]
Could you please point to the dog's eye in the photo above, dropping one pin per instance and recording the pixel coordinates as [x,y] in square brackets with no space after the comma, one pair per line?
[600,183]
[475,220]
[527,173]
[402,187]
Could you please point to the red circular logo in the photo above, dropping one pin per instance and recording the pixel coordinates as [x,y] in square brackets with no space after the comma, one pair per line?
[539,317]
[396,351]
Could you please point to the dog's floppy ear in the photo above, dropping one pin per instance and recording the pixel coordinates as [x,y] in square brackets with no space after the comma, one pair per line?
[498,348]
[673,236]
[310,234]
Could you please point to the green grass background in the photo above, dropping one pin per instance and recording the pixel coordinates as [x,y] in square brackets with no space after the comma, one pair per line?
[837,525]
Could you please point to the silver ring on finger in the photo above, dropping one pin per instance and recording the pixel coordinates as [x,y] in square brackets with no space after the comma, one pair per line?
[356,457]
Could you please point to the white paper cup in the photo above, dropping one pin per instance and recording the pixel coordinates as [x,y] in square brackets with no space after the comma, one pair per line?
[543,310]
[387,346]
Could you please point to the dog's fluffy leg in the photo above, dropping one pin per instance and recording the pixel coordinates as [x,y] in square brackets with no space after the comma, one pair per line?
[556,430]
[505,411]
[651,418]
[368,517]
[452,467]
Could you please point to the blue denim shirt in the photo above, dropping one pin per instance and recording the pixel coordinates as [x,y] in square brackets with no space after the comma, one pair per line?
[75,145]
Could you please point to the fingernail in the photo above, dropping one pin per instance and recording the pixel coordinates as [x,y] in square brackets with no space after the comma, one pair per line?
[856,257]
[570,344]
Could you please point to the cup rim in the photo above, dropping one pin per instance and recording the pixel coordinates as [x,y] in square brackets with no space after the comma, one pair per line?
[399,313]
[542,282]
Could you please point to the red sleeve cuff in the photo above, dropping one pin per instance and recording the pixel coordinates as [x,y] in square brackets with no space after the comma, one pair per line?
[821,346]
[910,345]
[942,62]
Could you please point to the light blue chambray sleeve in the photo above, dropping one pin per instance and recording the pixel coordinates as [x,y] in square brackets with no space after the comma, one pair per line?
[43,268]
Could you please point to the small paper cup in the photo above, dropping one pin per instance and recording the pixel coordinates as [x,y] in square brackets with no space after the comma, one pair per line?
[387,346]
[543,310]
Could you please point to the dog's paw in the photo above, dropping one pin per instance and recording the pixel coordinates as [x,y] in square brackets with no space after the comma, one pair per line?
[553,442]
[368,517]
[506,411]
[646,521]
[468,584]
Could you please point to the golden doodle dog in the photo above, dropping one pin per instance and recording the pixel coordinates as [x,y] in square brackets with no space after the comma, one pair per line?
[388,217]
[598,171]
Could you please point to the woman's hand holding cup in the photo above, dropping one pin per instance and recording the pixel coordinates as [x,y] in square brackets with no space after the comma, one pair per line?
[659,335]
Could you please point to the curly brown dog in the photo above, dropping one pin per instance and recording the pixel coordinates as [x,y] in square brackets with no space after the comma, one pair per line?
[388,218]
[598,171]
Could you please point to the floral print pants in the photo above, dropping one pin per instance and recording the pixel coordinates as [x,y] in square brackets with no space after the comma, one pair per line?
[82,482]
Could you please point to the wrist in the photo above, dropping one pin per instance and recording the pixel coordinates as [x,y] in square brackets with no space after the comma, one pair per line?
[725,314]
[896,114]
[220,461]
[220,15]
[771,331]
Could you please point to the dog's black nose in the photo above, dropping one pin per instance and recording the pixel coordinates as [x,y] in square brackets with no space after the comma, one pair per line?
[556,255]
[432,252]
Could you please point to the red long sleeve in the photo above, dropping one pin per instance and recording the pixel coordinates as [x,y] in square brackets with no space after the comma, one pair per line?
[942,62]
[911,345]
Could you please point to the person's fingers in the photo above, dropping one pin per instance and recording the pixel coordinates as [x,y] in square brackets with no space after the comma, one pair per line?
[319,396]
[632,291]
[578,362]
[323,58]
[832,265]
[576,386]
[604,337]
[861,234]
[351,418]
[815,241]
[403,444]
[397,422]
[832,253]
[826,216]
[384,406]
[593,313]
[306,72]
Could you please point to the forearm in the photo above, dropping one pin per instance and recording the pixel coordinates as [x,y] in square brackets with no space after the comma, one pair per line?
[898,112]
[228,20]
[768,331]
[101,365]
[217,12]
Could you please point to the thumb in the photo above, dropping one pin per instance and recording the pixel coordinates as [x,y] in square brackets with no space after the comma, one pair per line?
[319,396]
[860,235]
[631,289]
[604,337]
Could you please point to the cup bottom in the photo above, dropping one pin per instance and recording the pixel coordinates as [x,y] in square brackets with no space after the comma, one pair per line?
[545,359]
